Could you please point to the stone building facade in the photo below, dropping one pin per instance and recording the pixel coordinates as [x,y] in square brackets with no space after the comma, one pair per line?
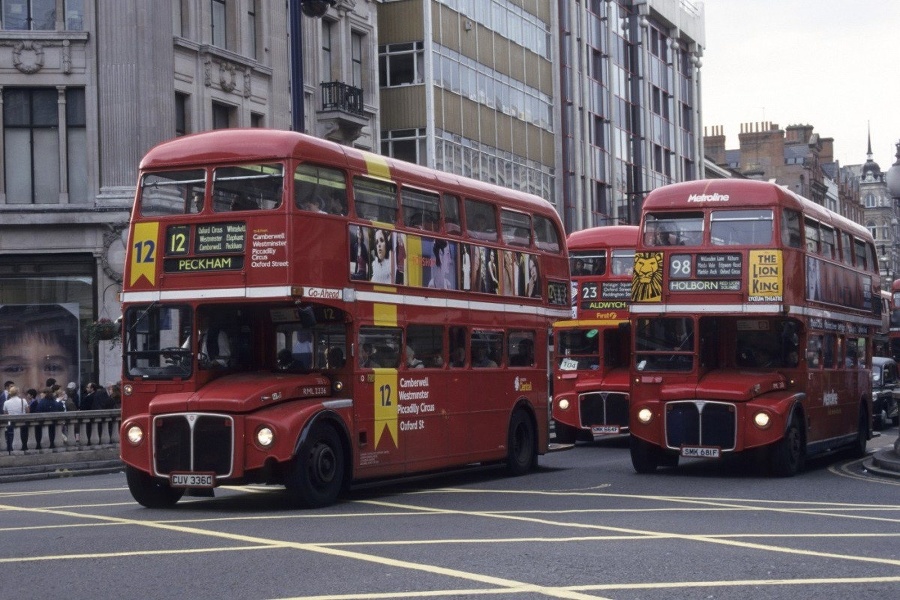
[88,86]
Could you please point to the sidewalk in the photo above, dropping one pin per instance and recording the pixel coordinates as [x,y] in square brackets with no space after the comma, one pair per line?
[33,466]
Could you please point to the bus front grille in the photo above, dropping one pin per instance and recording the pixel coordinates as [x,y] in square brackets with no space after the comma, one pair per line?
[193,443]
[603,408]
[701,423]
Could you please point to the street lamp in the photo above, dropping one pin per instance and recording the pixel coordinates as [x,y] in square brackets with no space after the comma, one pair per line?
[311,8]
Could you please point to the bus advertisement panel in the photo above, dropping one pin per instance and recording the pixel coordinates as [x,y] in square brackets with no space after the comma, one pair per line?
[308,314]
[752,321]
[590,369]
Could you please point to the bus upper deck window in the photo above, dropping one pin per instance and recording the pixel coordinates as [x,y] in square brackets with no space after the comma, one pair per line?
[172,193]
[248,187]
[546,236]
[375,200]
[320,189]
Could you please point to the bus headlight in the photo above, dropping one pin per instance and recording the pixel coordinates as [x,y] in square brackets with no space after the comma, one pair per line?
[338,386]
[265,436]
[762,420]
[135,435]
[564,404]
[645,415]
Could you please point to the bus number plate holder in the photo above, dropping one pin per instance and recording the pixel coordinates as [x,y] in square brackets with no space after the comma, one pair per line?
[700,452]
[604,429]
[192,480]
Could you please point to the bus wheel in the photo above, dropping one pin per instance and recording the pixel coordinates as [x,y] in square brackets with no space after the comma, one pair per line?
[788,454]
[151,491]
[862,434]
[644,457]
[317,474]
[565,434]
[522,444]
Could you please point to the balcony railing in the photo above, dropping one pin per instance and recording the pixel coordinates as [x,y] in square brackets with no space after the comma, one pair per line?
[342,97]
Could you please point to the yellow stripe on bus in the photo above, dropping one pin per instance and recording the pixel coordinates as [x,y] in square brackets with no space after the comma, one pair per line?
[377,165]
[385,315]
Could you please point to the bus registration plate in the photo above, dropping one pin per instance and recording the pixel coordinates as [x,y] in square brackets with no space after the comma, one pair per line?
[604,429]
[192,480]
[699,452]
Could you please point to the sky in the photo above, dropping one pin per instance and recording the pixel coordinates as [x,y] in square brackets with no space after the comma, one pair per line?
[832,64]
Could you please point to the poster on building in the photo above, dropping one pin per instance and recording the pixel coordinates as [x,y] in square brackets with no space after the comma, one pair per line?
[39,342]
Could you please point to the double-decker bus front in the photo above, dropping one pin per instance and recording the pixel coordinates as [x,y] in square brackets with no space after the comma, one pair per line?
[752,322]
[307,314]
[590,372]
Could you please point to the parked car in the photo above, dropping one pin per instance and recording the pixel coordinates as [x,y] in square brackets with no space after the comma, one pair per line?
[885,390]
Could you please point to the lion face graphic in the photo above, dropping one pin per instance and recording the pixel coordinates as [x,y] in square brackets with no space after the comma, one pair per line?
[646,279]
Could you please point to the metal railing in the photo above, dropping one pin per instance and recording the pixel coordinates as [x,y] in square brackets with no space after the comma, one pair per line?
[340,96]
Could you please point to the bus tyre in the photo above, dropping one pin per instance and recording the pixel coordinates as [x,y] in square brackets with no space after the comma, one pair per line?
[565,434]
[151,492]
[644,457]
[522,444]
[789,453]
[316,477]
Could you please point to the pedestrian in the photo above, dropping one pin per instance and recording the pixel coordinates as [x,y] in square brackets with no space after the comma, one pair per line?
[14,405]
[4,395]
[47,404]
[73,395]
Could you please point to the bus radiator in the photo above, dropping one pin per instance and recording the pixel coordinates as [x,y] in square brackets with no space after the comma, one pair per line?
[194,443]
[701,423]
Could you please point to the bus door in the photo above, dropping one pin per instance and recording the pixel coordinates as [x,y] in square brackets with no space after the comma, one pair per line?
[376,403]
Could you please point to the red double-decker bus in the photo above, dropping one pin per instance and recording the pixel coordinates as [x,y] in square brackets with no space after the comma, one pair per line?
[303,313]
[593,350]
[753,316]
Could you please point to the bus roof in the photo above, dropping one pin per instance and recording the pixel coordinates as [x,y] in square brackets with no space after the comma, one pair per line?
[706,193]
[258,144]
[609,236]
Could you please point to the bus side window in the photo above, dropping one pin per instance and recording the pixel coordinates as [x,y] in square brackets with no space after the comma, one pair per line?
[320,189]
[451,214]
[458,347]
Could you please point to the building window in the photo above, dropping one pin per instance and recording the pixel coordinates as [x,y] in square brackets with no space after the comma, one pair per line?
[870,200]
[222,115]
[32,141]
[405,144]
[218,33]
[401,64]
[327,28]
[251,29]
[75,15]
[35,15]
[181,113]
[356,46]
[257,120]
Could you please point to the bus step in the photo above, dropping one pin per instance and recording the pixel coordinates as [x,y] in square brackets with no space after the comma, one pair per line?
[554,447]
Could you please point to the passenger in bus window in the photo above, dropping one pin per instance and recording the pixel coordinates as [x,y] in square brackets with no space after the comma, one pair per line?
[525,355]
[242,202]
[366,351]
[302,350]
[666,235]
[458,357]
[313,203]
[198,202]
[335,357]
[411,361]
[480,357]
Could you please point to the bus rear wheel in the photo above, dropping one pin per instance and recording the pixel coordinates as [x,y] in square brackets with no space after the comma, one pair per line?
[645,457]
[788,454]
[316,477]
[521,444]
[151,492]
